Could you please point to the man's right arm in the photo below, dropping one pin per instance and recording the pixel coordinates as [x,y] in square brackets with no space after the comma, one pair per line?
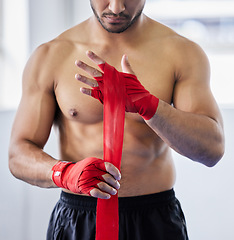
[31,130]
[33,122]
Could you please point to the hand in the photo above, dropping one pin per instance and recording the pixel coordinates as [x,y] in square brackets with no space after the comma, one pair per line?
[90,176]
[138,99]
[93,72]
[110,185]
[96,74]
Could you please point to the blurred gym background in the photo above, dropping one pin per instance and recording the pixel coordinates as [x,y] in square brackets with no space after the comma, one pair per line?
[205,193]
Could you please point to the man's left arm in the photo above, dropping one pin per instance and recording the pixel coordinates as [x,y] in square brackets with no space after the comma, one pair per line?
[193,126]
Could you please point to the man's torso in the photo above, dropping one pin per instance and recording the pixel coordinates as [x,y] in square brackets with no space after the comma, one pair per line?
[147,166]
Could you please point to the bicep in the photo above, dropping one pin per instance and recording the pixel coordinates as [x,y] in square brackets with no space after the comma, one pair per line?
[37,107]
[34,118]
[192,92]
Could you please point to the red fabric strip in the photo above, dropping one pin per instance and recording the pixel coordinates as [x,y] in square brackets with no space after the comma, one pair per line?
[107,220]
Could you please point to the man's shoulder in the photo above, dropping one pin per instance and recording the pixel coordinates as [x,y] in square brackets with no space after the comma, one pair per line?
[48,57]
[181,51]
[166,37]
[179,45]
[55,47]
[64,43]
[171,37]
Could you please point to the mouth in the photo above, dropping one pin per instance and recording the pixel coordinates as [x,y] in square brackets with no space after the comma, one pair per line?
[115,20]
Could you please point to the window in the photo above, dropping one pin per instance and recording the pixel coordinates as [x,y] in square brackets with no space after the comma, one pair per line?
[13,50]
[211,25]
[24,25]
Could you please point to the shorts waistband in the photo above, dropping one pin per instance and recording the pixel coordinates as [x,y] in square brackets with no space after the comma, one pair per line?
[85,202]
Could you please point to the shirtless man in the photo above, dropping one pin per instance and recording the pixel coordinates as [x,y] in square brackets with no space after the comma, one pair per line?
[187,119]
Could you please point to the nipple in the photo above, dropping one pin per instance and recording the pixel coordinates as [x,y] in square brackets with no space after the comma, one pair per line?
[73,112]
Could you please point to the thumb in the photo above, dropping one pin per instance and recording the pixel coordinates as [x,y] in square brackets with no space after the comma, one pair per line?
[126,67]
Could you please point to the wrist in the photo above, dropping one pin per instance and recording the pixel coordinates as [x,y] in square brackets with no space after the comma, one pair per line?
[58,171]
[148,106]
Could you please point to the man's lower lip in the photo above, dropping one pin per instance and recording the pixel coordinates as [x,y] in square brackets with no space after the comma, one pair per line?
[115,20]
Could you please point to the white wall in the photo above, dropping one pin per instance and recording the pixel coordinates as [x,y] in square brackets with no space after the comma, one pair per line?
[13,50]
[24,25]
[206,193]
[48,19]
[24,209]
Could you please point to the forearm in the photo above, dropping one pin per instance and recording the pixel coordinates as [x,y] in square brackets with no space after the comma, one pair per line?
[31,164]
[195,136]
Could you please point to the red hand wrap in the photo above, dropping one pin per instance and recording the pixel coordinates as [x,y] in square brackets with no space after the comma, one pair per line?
[80,177]
[138,99]
[111,87]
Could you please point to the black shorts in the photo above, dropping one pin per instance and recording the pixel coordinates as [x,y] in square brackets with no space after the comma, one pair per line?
[149,217]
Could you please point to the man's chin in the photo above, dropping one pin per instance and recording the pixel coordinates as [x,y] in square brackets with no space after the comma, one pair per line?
[115,28]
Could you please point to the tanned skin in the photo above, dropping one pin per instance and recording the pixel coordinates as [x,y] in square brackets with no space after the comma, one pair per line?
[171,67]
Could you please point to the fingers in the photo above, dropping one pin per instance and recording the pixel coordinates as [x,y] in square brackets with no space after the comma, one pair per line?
[93,72]
[90,70]
[114,171]
[88,81]
[126,67]
[99,194]
[111,184]
[86,91]
[94,58]
[106,189]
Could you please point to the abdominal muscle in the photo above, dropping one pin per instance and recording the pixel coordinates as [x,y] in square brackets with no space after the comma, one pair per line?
[146,166]
[141,176]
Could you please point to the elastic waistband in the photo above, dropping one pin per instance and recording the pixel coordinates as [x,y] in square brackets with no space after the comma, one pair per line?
[136,202]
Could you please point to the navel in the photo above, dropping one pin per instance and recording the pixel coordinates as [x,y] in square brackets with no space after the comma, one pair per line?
[73,112]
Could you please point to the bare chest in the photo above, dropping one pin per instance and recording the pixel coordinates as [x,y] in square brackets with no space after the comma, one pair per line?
[155,74]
